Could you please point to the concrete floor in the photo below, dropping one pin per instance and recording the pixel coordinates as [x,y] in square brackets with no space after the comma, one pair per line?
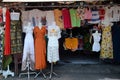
[72,71]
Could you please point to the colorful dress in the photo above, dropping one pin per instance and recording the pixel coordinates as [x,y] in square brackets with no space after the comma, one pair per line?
[7,34]
[40,47]
[66,18]
[58,18]
[75,20]
[106,44]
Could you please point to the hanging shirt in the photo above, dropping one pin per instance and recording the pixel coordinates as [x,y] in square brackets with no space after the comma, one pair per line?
[102,13]
[50,17]
[95,17]
[66,18]
[88,14]
[75,20]
[58,18]
[80,13]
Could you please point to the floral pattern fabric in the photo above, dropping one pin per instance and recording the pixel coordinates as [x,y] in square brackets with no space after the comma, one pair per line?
[106,44]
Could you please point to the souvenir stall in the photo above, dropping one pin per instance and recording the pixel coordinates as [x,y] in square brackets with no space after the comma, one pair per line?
[36,34]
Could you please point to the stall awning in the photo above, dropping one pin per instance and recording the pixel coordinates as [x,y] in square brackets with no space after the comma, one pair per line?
[45,0]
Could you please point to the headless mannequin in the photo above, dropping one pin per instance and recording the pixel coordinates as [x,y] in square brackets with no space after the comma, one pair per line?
[96,45]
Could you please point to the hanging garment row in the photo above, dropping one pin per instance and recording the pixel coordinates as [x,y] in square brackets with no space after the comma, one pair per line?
[68,18]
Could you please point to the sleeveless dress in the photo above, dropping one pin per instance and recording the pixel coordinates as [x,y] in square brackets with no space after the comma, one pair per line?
[106,44]
[28,51]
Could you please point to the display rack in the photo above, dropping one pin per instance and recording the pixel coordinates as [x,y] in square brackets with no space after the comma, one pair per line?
[41,72]
[8,72]
[28,70]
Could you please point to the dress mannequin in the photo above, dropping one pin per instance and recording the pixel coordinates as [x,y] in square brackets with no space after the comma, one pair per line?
[53,46]
[28,60]
[96,44]
[28,51]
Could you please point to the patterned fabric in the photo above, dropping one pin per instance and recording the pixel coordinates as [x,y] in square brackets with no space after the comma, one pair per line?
[1,48]
[16,37]
[106,44]
[95,17]
[53,45]
[80,13]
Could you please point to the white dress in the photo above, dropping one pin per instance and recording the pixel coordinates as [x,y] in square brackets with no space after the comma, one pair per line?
[28,51]
[96,44]
[53,45]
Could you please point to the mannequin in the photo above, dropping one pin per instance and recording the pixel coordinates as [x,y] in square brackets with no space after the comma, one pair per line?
[53,46]
[40,49]
[28,51]
[53,36]
[96,44]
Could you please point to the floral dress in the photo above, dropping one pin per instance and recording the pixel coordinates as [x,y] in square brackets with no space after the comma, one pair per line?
[53,45]
[106,44]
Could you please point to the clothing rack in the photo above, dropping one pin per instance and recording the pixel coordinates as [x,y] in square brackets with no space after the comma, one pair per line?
[28,69]
[61,6]
[41,72]
[52,72]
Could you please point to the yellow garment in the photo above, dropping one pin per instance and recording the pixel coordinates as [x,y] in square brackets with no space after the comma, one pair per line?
[58,18]
[106,44]
[71,43]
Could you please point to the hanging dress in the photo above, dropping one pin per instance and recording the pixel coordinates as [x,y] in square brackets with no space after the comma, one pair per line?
[58,18]
[53,45]
[7,34]
[40,47]
[75,20]
[66,18]
[28,51]
[106,44]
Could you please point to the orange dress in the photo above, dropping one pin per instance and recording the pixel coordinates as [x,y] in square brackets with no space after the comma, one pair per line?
[40,47]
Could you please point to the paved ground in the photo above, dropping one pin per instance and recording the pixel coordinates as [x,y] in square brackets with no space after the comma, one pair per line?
[79,72]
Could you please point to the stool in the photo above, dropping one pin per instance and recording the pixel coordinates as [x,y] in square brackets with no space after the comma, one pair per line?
[17,60]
